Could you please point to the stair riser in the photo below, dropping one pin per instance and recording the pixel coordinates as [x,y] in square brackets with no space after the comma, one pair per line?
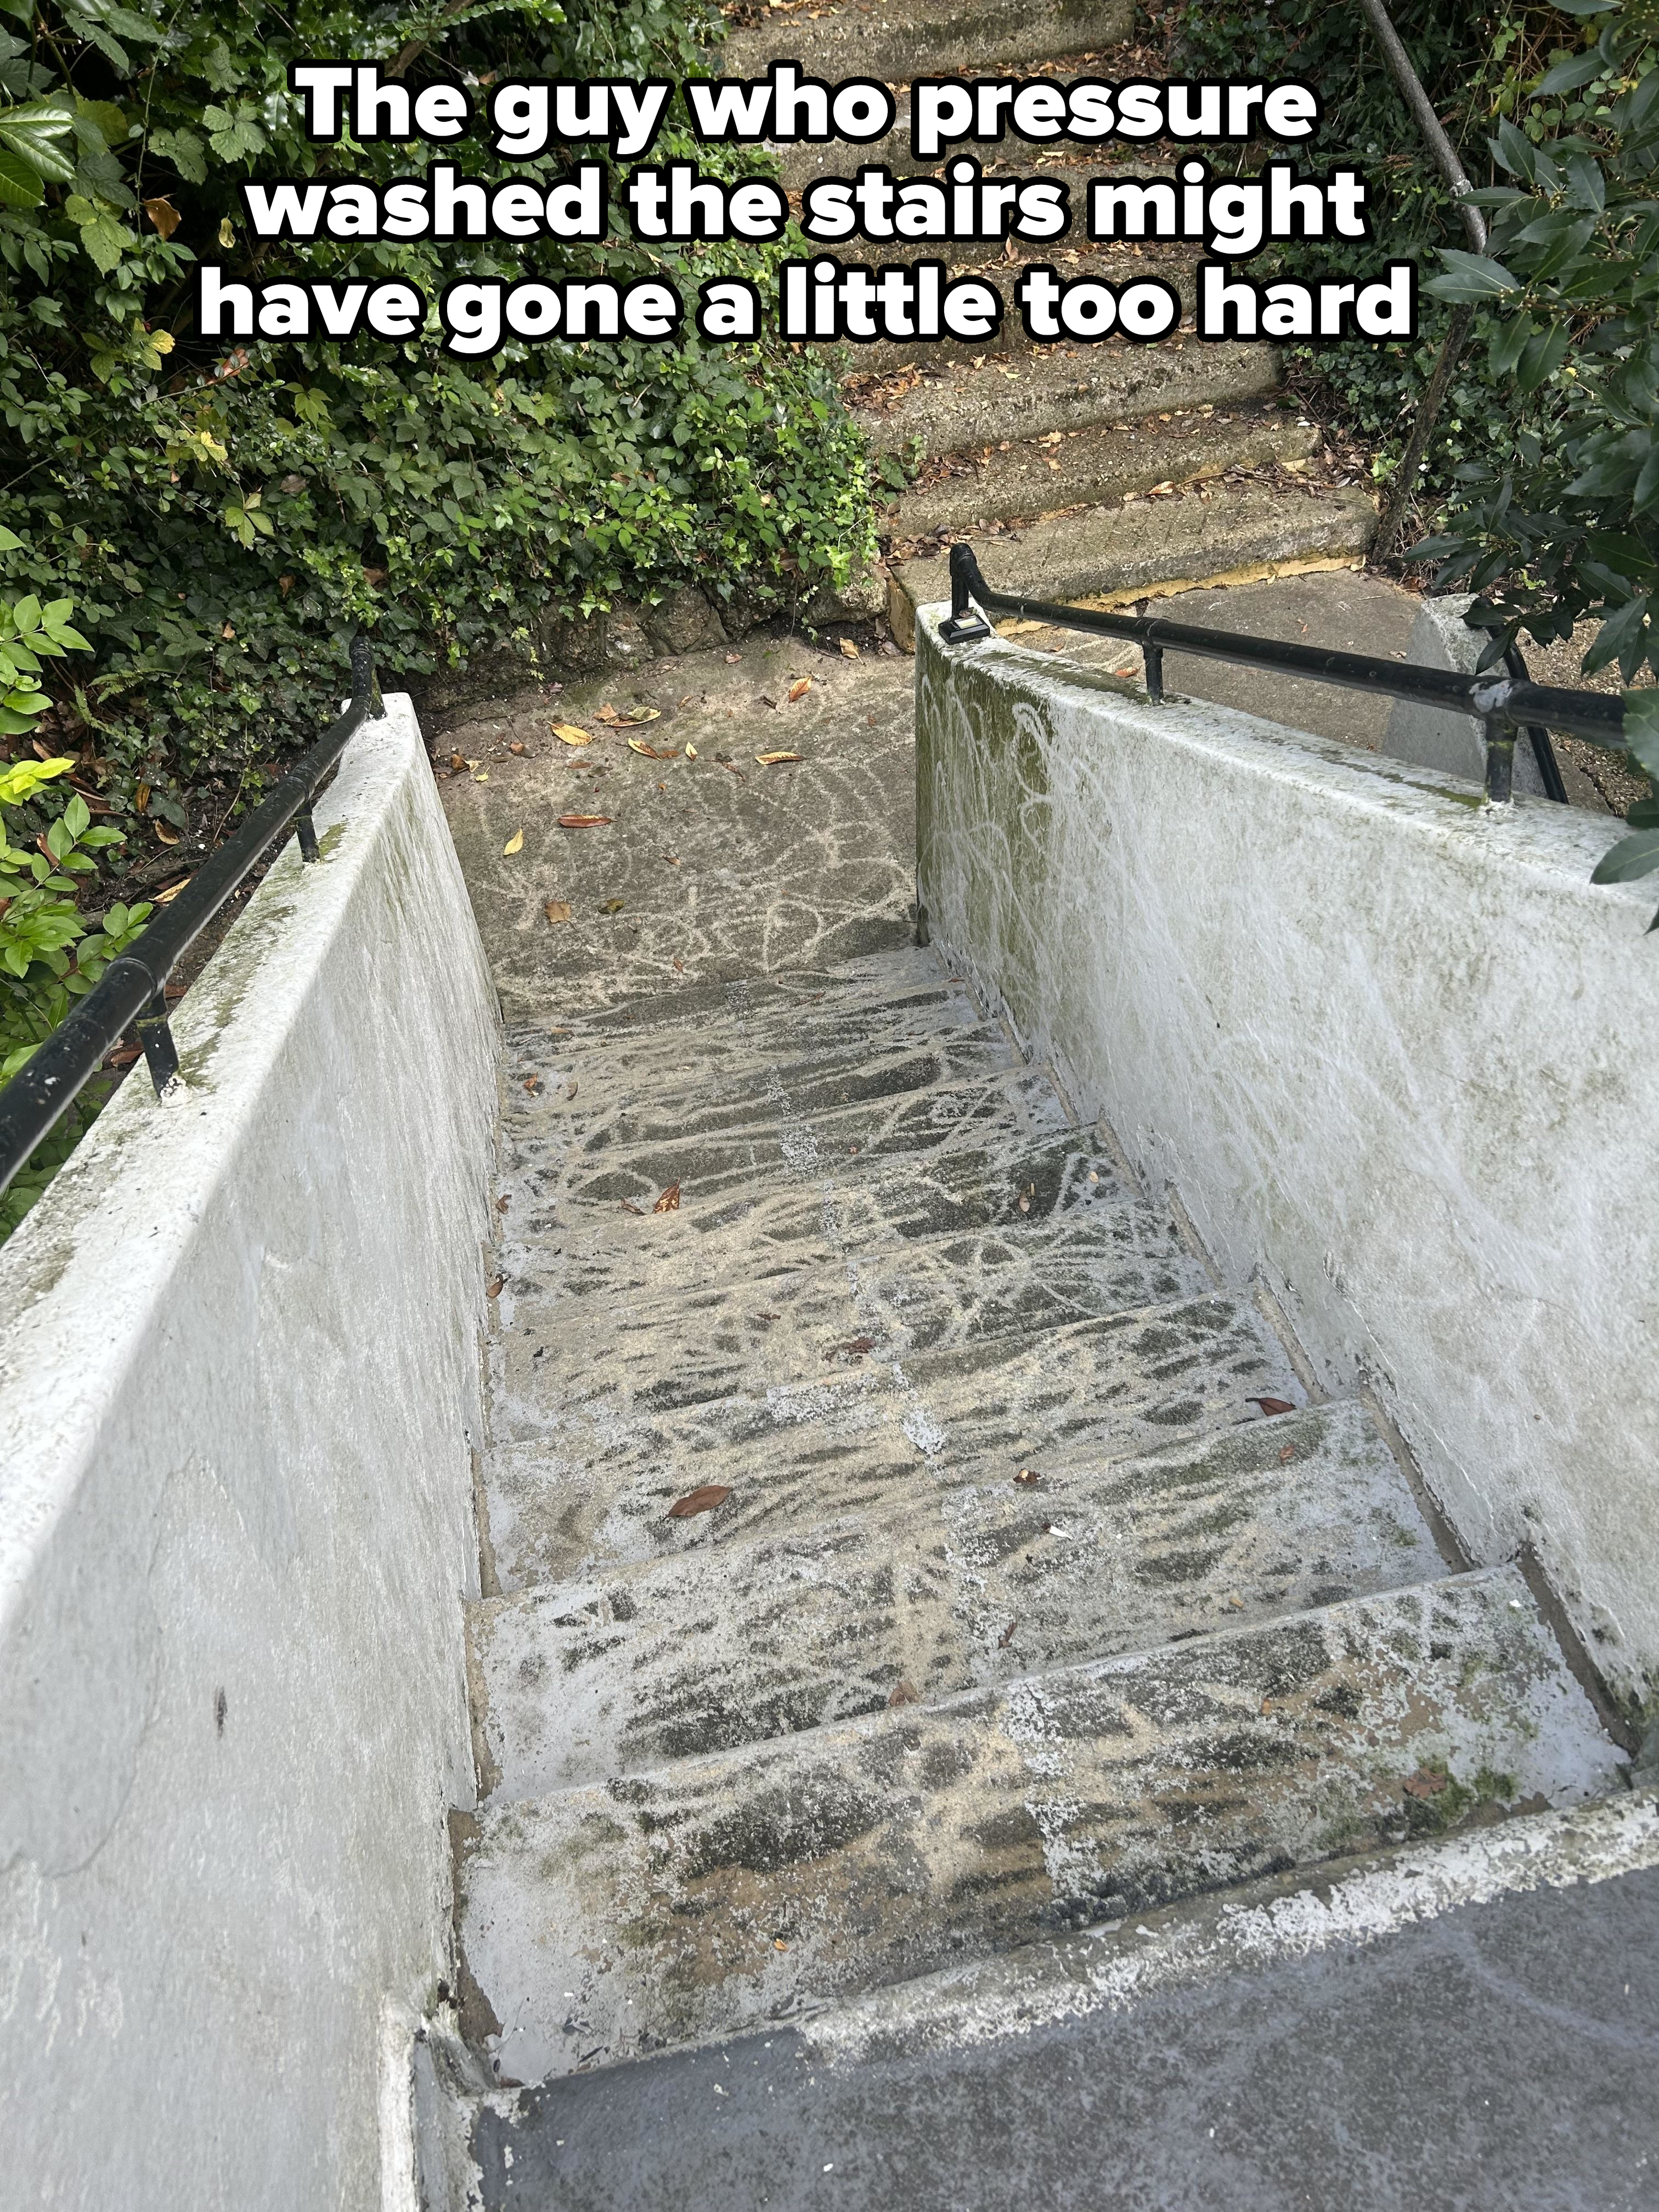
[725,1892]
[751,1641]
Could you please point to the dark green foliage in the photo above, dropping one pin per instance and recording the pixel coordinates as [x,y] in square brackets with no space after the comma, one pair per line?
[222,519]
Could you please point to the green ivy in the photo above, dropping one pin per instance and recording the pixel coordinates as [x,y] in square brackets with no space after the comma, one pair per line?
[225,517]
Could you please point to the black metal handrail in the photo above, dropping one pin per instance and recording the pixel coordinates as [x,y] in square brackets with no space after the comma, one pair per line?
[131,992]
[1503,704]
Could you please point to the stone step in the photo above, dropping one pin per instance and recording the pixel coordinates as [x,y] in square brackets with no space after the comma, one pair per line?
[726,1893]
[965,408]
[1234,533]
[573,1480]
[843,1311]
[1472,2010]
[1080,468]
[894,41]
[634,1159]
[781,1228]
[685,1036]
[592,1108]
[1069,163]
[641,1666]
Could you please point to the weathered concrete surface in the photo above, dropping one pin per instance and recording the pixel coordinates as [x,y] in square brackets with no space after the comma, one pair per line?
[635,1667]
[1066,388]
[897,40]
[796,866]
[1403,2035]
[717,1894]
[574,1479]
[239,1378]
[1196,538]
[1085,467]
[1378,1035]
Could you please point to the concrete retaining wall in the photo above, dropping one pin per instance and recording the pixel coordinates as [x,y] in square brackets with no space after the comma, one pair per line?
[239,1374]
[1390,1047]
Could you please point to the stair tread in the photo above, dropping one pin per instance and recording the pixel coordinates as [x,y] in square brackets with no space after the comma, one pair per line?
[1089,467]
[965,409]
[921,1122]
[711,1339]
[900,38]
[640,1666]
[575,1483]
[991,1180]
[730,1891]
[1192,538]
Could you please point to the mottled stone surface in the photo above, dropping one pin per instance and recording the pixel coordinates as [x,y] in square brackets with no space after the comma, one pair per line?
[732,869]
[749,1640]
[719,1893]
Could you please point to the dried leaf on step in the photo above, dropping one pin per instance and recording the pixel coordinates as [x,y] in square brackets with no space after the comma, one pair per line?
[456,761]
[166,836]
[533,1084]
[902,1693]
[800,686]
[849,649]
[571,735]
[1425,1783]
[691,752]
[854,1348]
[514,843]
[557,910]
[628,1206]
[670,1200]
[1272,1405]
[1007,1636]
[703,1499]
[634,717]
[772,760]
[166,898]
[1289,1453]
[515,747]
[610,905]
[650,752]
[584,821]
[493,1289]
[1027,1478]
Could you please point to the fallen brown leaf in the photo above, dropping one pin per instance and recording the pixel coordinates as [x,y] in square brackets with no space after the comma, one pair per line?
[503,1202]
[670,1200]
[456,761]
[902,1693]
[557,910]
[1027,1478]
[533,1084]
[854,1348]
[1272,1405]
[163,213]
[1007,1636]
[514,843]
[584,821]
[571,1088]
[1289,1453]
[1425,1783]
[571,735]
[515,747]
[800,686]
[610,905]
[733,659]
[493,1289]
[772,760]
[649,752]
[628,1206]
[703,1499]
[166,897]
[691,752]
[849,649]
[168,836]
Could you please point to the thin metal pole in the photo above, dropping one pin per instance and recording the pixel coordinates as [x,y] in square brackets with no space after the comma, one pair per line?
[1397,500]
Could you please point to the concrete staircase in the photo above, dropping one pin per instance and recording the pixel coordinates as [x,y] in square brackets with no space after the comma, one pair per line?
[903,1553]
[1109,471]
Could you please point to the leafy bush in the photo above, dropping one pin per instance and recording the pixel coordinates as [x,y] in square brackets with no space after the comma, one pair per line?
[1568,525]
[225,518]
[40,921]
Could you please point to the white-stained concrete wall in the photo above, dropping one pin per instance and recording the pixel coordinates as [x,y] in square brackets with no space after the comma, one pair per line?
[239,1378]
[1391,1046]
